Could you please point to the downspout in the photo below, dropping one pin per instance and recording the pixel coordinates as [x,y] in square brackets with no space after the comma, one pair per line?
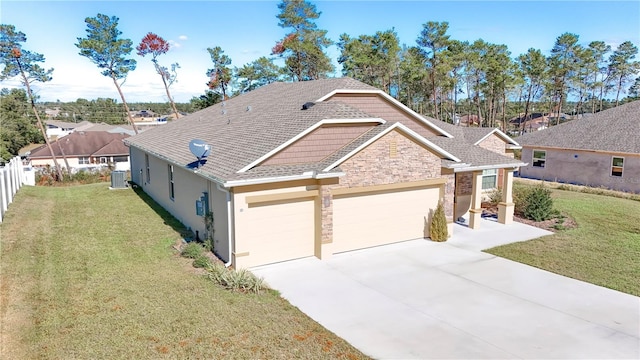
[229,222]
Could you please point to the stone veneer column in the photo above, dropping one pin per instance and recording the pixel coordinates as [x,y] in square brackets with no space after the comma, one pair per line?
[324,242]
[506,207]
[449,195]
[475,212]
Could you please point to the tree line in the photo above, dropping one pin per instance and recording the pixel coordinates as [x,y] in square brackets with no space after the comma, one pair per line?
[438,76]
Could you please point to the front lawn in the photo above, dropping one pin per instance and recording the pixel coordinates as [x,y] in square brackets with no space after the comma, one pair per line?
[604,249]
[86,272]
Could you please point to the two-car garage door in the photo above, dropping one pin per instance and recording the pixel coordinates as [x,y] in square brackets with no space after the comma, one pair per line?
[371,219]
[285,230]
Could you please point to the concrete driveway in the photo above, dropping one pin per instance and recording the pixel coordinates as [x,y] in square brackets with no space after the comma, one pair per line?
[420,299]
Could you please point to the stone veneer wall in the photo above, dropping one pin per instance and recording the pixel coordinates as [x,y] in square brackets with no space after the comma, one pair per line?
[495,144]
[375,165]
[464,185]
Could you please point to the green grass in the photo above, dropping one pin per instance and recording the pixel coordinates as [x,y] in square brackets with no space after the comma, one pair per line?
[90,273]
[604,249]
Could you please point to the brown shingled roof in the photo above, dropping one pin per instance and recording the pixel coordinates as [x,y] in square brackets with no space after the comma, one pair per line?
[82,143]
[246,128]
[613,130]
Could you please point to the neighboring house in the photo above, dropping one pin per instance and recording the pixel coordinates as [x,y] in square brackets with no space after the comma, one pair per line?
[599,150]
[84,150]
[470,120]
[51,113]
[319,167]
[532,122]
[114,129]
[56,128]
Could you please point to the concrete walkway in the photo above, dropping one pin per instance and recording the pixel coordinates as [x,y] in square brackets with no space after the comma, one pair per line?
[420,299]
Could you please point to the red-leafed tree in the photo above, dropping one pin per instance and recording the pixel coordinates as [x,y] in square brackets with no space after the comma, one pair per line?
[221,74]
[156,45]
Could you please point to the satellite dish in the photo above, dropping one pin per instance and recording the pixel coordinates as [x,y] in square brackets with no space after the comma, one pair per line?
[199,148]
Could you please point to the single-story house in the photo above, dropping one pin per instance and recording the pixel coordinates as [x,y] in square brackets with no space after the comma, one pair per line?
[319,167]
[57,128]
[84,150]
[601,150]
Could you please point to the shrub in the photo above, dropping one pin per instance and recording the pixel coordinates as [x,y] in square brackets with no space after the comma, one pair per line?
[209,226]
[520,194]
[241,280]
[192,250]
[201,261]
[438,227]
[495,196]
[539,204]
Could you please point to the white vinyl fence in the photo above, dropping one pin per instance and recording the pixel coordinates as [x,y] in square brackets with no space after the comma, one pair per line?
[12,177]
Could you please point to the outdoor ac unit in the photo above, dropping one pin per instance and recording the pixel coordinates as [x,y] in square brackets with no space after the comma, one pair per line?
[118,179]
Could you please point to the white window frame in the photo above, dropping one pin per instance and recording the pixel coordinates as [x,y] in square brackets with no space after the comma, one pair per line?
[614,167]
[539,160]
[84,160]
[489,173]
[172,189]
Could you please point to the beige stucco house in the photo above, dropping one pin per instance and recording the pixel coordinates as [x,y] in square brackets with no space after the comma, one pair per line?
[602,150]
[319,167]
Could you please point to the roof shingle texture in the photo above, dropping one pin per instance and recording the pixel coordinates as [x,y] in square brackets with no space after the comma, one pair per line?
[245,128]
[82,143]
[614,130]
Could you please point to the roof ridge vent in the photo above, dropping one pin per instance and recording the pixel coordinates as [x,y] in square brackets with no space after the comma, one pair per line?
[308,105]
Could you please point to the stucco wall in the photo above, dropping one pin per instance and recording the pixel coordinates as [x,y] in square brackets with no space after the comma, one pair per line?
[73,162]
[583,168]
[188,187]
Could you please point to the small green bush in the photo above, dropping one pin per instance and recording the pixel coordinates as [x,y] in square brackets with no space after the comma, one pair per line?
[241,280]
[438,227]
[201,261]
[192,250]
[539,204]
[520,194]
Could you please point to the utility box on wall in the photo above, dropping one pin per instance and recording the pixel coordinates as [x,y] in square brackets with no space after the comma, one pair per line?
[202,205]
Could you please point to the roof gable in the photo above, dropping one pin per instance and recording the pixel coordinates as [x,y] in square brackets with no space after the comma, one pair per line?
[391,100]
[318,142]
[402,129]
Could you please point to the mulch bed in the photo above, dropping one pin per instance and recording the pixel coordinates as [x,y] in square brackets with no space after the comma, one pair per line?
[555,224]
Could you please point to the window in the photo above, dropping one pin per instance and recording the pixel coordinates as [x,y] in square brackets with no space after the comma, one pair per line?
[617,165]
[171,188]
[489,178]
[146,164]
[103,160]
[120,158]
[539,158]
[84,160]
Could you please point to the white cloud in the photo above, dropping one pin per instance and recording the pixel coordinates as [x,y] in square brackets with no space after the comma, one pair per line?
[183,37]
[174,44]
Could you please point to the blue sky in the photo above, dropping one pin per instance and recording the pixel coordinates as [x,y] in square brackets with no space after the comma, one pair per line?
[247,30]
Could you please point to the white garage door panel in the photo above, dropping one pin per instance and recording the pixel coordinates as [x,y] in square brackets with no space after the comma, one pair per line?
[280,232]
[371,220]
